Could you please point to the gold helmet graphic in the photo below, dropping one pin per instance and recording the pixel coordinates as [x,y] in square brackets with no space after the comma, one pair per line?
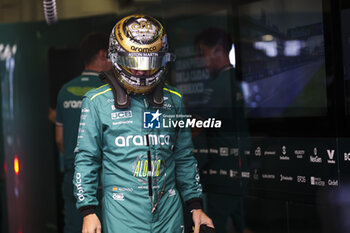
[138,50]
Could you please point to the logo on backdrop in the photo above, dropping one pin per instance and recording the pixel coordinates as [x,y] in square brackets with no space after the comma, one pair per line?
[331,158]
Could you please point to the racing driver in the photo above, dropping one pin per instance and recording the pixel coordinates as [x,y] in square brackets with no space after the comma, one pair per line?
[145,166]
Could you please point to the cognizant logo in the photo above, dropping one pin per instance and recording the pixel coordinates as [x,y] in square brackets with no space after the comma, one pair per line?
[139,140]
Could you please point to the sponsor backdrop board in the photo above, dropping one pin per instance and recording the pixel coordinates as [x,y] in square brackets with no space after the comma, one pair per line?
[294,165]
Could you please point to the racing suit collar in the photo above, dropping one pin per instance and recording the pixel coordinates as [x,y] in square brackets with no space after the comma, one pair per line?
[90,72]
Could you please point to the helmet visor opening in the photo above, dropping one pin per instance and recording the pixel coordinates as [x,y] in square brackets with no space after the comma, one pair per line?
[144,61]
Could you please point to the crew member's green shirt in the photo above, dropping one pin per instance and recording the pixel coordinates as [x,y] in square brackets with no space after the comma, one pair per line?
[68,110]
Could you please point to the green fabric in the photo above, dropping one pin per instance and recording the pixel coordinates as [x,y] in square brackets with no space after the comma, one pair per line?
[115,139]
[68,110]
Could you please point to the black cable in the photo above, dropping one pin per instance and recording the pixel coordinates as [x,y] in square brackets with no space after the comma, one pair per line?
[149,174]
[164,163]
[163,188]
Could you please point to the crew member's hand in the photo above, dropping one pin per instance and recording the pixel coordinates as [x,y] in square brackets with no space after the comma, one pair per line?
[91,224]
[52,115]
[199,218]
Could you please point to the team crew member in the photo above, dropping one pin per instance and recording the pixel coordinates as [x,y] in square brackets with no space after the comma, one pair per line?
[224,101]
[145,167]
[93,50]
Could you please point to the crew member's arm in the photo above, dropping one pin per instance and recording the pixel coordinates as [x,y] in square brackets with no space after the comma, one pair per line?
[87,165]
[52,115]
[59,122]
[59,137]
[187,176]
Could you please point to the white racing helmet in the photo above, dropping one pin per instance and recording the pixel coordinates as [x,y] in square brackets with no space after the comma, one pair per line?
[139,42]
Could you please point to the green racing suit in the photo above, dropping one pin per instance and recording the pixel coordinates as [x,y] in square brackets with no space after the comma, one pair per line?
[116,141]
